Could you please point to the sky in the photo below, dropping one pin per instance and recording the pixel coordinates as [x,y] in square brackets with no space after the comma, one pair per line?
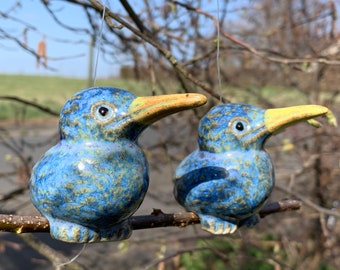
[14,59]
[69,59]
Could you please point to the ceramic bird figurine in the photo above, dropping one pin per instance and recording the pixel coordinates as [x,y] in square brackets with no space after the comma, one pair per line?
[96,177]
[229,177]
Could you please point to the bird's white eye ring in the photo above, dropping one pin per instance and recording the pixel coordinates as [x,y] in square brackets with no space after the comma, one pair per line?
[239,125]
[103,112]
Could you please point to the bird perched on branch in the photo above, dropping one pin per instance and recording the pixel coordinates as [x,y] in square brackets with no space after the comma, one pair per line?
[96,177]
[229,177]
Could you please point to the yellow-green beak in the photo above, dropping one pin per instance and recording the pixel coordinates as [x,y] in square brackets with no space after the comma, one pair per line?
[277,119]
[147,110]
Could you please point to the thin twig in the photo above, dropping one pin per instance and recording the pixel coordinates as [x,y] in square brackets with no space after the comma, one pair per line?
[258,52]
[152,41]
[177,253]
[308,202]
[49,253]
[25,224]
[30,103]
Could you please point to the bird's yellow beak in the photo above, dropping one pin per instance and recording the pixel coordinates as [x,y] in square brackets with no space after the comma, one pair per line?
[277,119]
[147,110]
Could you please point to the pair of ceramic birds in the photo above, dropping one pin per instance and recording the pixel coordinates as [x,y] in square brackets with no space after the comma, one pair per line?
[95,178]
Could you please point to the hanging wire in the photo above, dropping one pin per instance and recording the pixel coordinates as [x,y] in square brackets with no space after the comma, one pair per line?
[218,52]
[99,44]
[94,82]
[74,258]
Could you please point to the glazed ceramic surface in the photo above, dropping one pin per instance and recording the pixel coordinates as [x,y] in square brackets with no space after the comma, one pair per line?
[96,177]
[229,177]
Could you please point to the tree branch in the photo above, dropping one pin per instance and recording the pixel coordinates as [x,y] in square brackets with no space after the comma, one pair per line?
[26,224]
[23,46]
[153,42]
[54,256]
[135,17]
[322,59]
[308,202]
[30,103]
[58,21]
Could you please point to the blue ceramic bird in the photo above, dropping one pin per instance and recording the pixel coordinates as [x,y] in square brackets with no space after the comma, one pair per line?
[96,177]
[229,177]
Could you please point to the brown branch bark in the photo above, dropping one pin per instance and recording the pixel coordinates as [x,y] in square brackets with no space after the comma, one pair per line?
[23,46]
[30,103]
[259,53]
[152,41]
[142,32]
[308,202]
[26,224]
[58,21]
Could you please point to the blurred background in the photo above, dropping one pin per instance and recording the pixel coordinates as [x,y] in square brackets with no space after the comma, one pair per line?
[263,52]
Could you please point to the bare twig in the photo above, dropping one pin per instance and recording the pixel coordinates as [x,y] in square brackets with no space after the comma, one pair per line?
[58,21]
[173,255]
[52,255]
[23,46]
[12,194]
[31,51]
[257,52]
[280,206]
[25,224]
[30,103]
[308,202]
[152,41]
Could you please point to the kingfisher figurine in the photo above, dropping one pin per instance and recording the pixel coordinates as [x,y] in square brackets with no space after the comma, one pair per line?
[95,178]
[229,177]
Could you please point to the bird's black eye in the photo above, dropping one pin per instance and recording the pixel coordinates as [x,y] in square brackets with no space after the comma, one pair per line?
[103,111]
[239,126]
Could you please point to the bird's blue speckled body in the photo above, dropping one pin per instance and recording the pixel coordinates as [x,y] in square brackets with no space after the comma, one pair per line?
[96,177]
[229,177]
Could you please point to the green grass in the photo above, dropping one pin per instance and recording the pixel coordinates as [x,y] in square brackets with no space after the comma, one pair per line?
[279,96]
[51,92]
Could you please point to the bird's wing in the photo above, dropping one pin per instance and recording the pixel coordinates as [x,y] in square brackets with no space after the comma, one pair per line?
[185,183]
[214,191]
